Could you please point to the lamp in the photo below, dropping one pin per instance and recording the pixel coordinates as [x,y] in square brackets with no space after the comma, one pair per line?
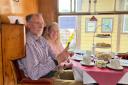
[93,18]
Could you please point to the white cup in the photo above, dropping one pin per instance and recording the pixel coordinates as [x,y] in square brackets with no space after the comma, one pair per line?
[115,63]
[87,60]
[88,53]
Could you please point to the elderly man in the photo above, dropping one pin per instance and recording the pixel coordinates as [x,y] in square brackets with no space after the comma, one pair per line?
[40,60]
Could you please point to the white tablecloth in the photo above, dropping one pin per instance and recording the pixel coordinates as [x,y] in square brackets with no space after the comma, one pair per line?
[81,75]
[124,79]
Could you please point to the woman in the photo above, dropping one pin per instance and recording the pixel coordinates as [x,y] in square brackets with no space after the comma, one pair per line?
[52,35]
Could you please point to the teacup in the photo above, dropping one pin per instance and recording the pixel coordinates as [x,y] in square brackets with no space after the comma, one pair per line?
[115,63]
[87,60]
[88,53]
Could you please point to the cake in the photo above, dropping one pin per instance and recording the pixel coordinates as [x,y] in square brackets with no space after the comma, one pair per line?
[103,56]
[100,63]
[103,35]
[102,45]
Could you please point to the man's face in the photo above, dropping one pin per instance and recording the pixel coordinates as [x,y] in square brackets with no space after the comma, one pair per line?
[36,25]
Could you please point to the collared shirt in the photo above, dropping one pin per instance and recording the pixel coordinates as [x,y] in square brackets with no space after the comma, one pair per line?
[38,61]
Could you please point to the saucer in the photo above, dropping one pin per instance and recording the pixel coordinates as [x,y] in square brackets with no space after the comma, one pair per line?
[77,57]
[119,68]
[124,62]
[83,63]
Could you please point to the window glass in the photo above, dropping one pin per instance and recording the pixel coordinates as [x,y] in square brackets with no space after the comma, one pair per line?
[73,6]
[125,24]
[76,25]
[64,5]
[67,26]
[122,5]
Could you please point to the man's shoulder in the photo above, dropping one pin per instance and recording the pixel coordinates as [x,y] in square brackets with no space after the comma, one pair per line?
[43,40]
[29,38]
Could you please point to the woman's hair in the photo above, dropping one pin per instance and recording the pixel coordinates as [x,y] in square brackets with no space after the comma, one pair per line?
[47,31]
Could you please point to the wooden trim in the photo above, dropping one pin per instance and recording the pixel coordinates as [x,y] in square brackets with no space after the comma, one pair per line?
[118,33]
[115,5]
[74,5]
[124,33]
[71,5]
[1,58]
[78,33]
[94,13]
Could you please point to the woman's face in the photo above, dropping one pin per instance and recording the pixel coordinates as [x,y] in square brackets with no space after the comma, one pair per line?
[54,32]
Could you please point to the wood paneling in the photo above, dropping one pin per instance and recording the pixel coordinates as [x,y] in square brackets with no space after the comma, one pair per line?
[49,10]
[29,6]
[21,8]
[13,46]
[47,7]
[1,69]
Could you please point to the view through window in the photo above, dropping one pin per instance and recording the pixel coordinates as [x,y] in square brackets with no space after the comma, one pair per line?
[74,26]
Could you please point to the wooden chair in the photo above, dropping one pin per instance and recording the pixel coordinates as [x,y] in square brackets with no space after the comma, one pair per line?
[22,80]
[13,49]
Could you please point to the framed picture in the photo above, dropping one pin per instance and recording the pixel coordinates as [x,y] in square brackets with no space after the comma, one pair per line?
[90,26]
[107,24]
[125,24]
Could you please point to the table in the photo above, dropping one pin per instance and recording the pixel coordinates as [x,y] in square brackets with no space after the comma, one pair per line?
[102,76]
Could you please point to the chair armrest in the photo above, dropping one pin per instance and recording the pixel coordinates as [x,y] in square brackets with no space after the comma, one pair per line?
[45,81]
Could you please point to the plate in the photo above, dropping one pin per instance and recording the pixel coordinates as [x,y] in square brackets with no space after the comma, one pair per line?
[124,62]
[83,63]
[119,68]
[78,51]
[77,57]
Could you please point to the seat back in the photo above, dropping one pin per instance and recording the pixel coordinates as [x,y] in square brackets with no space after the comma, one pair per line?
[13,48]
[21,79]
[17,72]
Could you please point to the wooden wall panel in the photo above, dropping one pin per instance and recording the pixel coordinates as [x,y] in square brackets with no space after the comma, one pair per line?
[29,6]
[13,46]
[1,69]
[49,10]
[21,8]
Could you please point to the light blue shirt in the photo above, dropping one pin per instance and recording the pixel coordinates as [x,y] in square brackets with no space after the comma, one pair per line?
[38,61]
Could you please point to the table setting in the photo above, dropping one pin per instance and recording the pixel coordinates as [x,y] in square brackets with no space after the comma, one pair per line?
[91,69]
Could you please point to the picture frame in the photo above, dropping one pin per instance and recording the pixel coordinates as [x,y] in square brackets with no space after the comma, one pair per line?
[90,26]
[107,25]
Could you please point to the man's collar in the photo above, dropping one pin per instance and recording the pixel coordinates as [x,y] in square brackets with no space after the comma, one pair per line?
[36,38]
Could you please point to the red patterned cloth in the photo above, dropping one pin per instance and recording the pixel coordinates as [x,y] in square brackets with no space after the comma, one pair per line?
[103,76]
